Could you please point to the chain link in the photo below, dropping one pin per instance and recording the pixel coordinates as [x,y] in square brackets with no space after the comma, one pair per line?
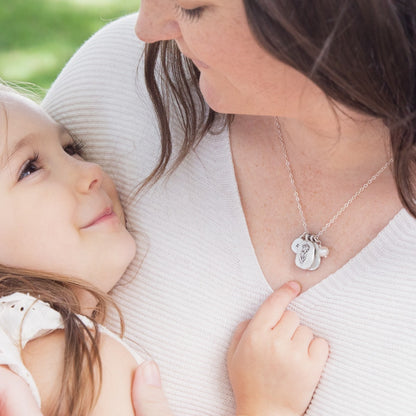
[297,198]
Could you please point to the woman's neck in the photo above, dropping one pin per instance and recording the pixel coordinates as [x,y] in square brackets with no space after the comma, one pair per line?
[339,143]
[329,162]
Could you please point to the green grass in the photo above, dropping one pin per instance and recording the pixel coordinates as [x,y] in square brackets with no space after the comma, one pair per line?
[39,36]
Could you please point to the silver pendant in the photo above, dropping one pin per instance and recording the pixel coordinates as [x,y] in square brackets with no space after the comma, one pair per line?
[308,251]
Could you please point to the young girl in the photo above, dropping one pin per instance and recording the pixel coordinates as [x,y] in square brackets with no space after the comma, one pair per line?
[64,244]
[62,235]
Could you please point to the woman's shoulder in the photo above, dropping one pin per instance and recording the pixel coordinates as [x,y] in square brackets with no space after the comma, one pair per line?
[117,37]
[101,97]
[103,70]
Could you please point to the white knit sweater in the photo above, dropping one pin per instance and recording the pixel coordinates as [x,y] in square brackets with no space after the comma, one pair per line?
[196,275]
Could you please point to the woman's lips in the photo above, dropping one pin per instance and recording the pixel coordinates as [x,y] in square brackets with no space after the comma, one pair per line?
[200,64]
[186,53]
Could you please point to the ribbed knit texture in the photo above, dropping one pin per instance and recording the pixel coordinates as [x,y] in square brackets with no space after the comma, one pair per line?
[196,275]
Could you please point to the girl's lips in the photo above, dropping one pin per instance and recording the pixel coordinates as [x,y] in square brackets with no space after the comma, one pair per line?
[106,215]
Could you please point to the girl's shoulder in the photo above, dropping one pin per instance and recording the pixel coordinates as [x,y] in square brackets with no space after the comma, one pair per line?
[32,344]
[119,366]
[44,358]
[23,318]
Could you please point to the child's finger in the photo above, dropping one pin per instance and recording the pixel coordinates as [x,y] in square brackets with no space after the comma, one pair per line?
[269,314]
[303,336]
[319,350]
[287,325]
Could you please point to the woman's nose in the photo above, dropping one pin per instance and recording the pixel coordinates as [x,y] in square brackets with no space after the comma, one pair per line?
[157,21]
[89,176]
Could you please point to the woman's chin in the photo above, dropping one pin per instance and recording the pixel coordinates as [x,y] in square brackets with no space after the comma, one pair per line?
[216,96]
[224,98]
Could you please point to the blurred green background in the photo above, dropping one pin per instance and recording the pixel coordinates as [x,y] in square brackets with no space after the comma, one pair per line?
[37,37]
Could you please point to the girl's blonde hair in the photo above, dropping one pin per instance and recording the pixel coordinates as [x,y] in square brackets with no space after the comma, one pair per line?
[26,89]
[82,369]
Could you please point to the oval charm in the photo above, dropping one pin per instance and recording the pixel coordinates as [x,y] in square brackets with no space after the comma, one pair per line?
[308,252]
[305,253]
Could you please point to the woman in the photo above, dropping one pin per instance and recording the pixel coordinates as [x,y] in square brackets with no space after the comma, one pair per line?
[262,200]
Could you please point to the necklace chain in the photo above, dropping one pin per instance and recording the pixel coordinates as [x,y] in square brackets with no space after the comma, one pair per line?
[296,193]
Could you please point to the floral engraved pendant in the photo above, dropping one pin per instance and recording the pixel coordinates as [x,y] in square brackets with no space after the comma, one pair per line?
[308,252]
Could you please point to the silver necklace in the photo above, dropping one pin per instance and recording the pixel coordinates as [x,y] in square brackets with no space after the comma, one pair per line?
[308,247]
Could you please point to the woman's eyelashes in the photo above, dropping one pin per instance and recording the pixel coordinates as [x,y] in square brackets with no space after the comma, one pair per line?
[191,14]
[33,164]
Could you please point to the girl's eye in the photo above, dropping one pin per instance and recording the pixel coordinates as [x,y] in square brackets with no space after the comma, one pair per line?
[192,14]
[30,166]
[75,148]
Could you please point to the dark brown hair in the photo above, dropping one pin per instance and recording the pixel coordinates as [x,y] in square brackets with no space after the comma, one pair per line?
[82,372]
[361,53]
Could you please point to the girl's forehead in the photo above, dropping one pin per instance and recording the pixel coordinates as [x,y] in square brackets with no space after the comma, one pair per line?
[20,111]
[13,99]
[3,123]
[3,133]
[19,117]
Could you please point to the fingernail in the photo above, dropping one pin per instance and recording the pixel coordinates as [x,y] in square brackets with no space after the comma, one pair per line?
[150,374]
[295,286]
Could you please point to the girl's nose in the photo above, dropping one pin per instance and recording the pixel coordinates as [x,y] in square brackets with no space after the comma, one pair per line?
[157,21]
[89,176]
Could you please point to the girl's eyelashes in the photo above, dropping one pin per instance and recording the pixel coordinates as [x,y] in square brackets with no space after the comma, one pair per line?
[191,14]
[33,164]
[29,167]
[75,148]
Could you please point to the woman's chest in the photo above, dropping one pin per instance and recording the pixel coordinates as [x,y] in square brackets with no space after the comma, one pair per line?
[370,323]
[280,206]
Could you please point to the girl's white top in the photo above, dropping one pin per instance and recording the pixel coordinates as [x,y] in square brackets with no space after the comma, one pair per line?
[24,318]
[196,275]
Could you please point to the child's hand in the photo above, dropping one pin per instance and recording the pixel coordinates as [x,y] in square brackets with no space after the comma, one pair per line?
[274,363]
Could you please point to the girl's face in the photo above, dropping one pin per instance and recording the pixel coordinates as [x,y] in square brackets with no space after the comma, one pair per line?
[58,212]
[237,75]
